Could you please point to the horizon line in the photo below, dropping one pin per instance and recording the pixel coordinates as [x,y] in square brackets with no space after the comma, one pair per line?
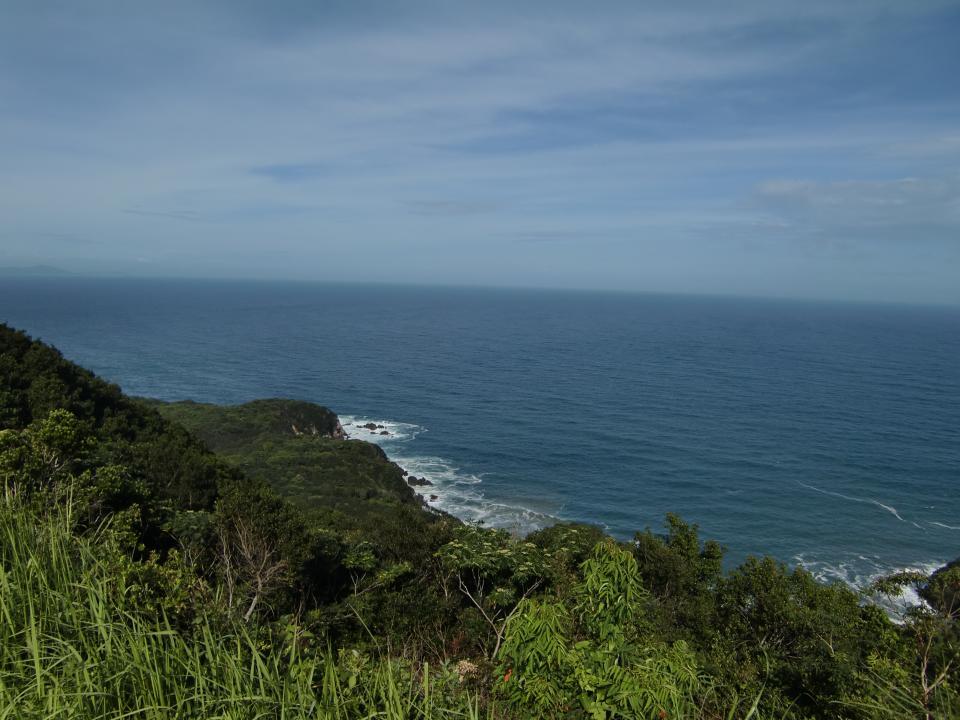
[9,273]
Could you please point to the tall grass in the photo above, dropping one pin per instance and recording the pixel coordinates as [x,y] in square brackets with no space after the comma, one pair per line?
[73,646]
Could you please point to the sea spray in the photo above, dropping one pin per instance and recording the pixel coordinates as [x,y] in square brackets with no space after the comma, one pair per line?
[450,488]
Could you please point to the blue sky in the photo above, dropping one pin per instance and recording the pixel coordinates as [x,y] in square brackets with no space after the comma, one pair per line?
[763,148]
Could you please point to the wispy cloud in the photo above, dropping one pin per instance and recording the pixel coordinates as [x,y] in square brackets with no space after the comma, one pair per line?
[450,208]
[555,236]
[190,215]
[292,172]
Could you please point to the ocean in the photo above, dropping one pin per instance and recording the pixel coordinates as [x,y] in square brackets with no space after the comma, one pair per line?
[826,434]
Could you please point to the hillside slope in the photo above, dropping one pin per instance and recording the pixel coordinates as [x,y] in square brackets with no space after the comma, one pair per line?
[298,448]
[176,468]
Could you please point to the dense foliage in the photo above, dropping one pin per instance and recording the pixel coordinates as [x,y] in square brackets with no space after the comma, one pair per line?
[293,447]
[295,575]
[86,633]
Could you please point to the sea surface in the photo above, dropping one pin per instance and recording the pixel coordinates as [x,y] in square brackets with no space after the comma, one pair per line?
[821,433]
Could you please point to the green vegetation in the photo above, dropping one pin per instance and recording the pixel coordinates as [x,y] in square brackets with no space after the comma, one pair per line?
[86,633]
[294,447]
[293,574]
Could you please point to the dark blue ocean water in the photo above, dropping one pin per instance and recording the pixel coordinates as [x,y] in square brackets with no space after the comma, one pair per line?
[822,433]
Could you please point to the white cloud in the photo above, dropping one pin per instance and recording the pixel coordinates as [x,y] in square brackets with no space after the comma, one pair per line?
[870,205]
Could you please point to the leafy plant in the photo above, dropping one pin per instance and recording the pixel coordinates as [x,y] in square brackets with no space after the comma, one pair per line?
[594,656]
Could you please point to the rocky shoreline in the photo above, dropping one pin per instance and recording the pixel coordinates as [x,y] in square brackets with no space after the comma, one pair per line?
[413,481]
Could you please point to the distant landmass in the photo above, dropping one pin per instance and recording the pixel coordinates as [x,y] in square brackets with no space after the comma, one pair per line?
[32,271]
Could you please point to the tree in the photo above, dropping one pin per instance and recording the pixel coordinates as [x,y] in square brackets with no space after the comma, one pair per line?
[494,572]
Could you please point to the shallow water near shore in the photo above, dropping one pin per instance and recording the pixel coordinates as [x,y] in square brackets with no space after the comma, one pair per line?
[827,434]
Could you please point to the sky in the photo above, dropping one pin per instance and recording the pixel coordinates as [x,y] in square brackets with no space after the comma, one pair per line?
[805,149]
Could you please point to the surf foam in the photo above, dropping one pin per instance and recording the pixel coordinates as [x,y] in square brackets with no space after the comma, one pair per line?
[453,490]
[869,501]
[859,571]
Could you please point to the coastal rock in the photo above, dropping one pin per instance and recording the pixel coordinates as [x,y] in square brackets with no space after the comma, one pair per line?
[434,497]
[293,417]
[336,432]
[384,432]
[418,481]
[370,426]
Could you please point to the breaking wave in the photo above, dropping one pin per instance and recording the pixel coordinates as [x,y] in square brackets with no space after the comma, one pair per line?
[859,571]
[451,488]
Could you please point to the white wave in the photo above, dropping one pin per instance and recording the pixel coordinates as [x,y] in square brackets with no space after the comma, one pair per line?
[890,509]
[944,525]
[353,426]
[859,572]
[870,501]
[452,489]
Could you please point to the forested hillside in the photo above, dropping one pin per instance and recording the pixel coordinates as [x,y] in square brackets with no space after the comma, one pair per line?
[299,449]
[257,565]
